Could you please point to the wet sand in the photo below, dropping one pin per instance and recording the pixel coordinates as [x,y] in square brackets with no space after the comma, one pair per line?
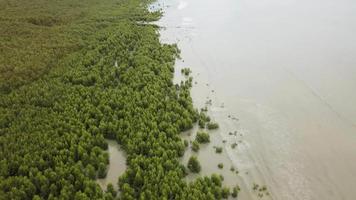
[117,165]
[287,71]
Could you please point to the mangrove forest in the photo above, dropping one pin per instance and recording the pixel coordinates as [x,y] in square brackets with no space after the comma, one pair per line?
[76,72]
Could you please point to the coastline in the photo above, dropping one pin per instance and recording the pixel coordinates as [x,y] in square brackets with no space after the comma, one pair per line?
[290,98]
[203,91]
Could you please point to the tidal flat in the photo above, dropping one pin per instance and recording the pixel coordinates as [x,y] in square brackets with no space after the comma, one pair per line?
[281,74]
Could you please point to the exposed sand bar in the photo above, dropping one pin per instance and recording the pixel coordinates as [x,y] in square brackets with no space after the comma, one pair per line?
[287,70]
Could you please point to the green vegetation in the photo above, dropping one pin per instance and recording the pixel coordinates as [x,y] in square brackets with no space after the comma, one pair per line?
[110,190]
[235,191]
[195,146]
[201,123]
[217,179]
[194,165]
[234,145]
[225,192]
[102,170]
[36,35]
[212,125]
[203,118]
[202,137]
[220,165]
[255,186]
[75,72]
[232,168]
[205,109]
[262,190]
[186,71]
[218,149]
[186,143]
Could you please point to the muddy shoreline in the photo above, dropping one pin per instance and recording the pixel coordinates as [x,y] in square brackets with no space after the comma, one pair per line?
[287,80]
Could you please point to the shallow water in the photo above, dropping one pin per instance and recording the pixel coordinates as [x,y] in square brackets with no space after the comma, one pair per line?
[117,165]
[286,69]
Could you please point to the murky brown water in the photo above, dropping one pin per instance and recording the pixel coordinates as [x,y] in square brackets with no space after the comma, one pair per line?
[287,70]
[116,167]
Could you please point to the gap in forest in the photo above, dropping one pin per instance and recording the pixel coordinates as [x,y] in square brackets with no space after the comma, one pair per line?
[116,167]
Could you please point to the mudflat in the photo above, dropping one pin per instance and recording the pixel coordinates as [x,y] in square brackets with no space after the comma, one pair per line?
[282,74]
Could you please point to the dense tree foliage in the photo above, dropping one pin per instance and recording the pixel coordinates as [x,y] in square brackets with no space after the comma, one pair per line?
[212,125]
[112,79]
[203,118]
[194,165]
[186,143]
[195,146]
[202,137]
[110,190]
